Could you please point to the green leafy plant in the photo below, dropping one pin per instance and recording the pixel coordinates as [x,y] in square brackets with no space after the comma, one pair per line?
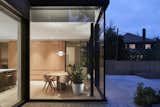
[145,96]
[77,74]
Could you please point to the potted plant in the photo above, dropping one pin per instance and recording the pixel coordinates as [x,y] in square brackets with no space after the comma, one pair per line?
[77,77]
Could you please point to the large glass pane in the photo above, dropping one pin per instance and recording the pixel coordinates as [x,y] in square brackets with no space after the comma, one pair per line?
[58,42]
[101,54]
[9,60]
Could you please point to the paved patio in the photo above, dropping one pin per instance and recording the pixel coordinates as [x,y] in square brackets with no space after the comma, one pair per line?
[120,91]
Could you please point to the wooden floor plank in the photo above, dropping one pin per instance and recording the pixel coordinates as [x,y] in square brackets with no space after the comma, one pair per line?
[78,104]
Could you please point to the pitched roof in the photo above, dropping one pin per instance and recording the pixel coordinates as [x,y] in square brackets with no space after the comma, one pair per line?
[132,38]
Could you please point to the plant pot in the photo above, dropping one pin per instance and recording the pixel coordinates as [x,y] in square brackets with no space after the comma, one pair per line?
[78,88]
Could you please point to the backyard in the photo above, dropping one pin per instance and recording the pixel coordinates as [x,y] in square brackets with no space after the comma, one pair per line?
[121,89]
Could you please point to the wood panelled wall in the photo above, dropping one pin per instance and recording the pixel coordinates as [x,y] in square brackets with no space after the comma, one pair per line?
[3,54]
[12,55]
[43,58]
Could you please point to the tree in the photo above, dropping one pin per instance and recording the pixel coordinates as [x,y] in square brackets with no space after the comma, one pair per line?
[115,46]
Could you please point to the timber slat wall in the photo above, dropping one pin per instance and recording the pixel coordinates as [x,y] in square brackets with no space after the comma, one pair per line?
[43,58]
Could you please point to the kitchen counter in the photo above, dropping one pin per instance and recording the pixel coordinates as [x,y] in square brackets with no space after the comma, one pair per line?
[8,78]
[6,70]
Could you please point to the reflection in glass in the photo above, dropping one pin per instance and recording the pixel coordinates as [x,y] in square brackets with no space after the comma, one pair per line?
[101,54]
[9,60]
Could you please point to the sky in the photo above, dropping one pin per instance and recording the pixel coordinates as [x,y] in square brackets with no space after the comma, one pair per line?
[133,15]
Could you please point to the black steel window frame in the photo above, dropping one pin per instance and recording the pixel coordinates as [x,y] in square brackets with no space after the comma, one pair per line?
[97,55]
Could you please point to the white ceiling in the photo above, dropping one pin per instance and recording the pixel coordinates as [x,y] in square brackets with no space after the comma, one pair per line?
[8,27]
[44,30]
[62,15]
[60,30]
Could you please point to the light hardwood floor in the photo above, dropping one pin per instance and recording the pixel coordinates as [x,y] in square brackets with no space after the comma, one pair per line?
[8,97]
[36,92]
[78,104]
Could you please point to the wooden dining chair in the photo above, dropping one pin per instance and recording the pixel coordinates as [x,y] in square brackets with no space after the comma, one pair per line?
[63,80]
[69,80]
[69,77]
[49,82]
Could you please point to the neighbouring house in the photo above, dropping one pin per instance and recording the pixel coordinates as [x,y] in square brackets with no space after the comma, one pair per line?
[140,47]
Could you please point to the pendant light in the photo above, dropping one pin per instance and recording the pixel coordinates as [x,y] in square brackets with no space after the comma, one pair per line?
[60,49]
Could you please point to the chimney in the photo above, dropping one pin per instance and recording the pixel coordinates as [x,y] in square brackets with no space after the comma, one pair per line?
[144,33]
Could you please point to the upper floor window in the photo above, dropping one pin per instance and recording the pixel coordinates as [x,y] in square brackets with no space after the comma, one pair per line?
[147,46]
[132,46]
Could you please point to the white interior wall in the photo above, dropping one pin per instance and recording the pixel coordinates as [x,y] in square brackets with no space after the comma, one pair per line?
[60,31]
[45,30]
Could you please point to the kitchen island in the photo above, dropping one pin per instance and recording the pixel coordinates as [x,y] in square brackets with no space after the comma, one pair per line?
[7,78]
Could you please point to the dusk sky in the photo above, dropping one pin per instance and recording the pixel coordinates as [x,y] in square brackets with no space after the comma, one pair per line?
[133,15]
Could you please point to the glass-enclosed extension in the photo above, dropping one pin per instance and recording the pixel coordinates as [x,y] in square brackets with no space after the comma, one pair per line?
[63,62]
[50,48]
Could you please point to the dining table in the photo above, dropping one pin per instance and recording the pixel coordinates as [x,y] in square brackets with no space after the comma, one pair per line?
[57,74]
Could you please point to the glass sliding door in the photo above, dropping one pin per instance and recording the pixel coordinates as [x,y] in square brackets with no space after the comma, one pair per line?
[10,58]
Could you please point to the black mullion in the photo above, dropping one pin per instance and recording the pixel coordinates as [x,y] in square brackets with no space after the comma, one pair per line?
[96,56]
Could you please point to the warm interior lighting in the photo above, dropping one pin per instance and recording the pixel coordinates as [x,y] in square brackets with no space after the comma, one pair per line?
[60,53]
[147,46]
[132,46]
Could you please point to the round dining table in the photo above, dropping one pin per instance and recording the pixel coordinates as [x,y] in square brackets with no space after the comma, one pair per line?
[57,74]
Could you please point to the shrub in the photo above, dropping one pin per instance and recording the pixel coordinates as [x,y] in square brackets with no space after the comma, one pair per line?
[146,96]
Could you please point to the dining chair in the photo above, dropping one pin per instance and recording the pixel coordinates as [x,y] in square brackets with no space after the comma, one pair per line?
[63,80]
[54,79]
[69,77]
[69,80]
[49,82]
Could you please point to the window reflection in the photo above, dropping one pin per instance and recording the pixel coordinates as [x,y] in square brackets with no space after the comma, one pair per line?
[101,54]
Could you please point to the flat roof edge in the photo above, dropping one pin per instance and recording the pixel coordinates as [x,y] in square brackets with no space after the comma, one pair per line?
[100,3]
